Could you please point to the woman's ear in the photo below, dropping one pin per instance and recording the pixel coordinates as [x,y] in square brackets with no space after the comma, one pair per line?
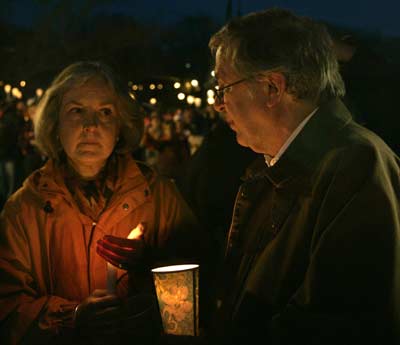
[275,86]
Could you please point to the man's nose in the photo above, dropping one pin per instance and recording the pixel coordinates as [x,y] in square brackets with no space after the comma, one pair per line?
[219,105]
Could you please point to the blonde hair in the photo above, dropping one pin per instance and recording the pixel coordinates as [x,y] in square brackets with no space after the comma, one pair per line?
[48,110]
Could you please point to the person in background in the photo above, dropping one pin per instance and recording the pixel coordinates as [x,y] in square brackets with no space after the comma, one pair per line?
[72,217]
[173,150]
[151,137]
[210,178]
[195,127]
[31,157]
[371,80]
[11,122]
[312,253]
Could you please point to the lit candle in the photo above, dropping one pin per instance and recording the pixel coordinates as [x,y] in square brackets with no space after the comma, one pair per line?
[112,270]
[136,232]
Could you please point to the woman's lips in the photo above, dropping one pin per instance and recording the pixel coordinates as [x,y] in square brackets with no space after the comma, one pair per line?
[89,143]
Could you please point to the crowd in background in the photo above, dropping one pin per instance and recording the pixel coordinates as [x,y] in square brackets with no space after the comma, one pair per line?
[172,136]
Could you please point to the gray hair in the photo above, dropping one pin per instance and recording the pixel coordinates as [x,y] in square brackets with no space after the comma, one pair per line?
[278,40]
[47,116]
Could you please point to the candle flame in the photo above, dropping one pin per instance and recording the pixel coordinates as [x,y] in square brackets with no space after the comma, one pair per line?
[136,232]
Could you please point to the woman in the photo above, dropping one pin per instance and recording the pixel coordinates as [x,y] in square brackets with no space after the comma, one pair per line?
[89,195]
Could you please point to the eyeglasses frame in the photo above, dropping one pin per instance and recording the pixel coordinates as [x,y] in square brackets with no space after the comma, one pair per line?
[220,92]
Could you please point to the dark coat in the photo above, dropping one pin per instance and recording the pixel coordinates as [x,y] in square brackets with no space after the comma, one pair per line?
[210,179]
[312,255]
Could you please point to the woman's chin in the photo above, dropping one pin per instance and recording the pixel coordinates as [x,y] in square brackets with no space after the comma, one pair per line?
[90,156]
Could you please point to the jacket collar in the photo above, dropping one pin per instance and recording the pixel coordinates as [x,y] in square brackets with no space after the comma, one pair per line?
[48,183]
[307,149]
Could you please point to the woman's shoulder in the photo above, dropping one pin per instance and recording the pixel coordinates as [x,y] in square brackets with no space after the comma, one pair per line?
[147,171]
[152,176]
[31,194]
[21,199]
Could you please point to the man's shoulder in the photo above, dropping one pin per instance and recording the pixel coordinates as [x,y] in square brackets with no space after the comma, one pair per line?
[359,140]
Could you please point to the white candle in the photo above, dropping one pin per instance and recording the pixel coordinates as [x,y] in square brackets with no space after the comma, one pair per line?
[111,278]
[112,270]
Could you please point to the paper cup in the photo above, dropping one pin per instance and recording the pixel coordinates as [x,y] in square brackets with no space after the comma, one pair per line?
[177,290]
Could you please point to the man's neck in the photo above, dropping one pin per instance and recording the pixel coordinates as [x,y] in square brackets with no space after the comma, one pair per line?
[292,113]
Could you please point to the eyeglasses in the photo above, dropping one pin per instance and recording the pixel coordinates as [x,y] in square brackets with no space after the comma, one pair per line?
[220,92]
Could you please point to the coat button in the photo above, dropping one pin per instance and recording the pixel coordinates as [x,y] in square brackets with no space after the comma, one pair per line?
[48,208]
[125,206]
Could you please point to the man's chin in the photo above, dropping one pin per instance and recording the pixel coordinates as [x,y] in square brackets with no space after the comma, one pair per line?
[245,143]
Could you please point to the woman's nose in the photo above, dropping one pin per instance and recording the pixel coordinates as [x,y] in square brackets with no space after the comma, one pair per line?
[90,120]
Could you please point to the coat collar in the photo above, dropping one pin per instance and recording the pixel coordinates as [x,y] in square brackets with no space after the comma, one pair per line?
[131,186]
[307,149]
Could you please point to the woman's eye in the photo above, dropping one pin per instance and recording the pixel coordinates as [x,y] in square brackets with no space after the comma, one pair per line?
[106,111]
[75,110]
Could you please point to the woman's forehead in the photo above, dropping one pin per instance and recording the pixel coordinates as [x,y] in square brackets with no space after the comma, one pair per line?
[93,88]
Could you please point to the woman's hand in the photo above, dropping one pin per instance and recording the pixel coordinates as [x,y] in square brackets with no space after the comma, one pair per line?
[99,314]
[124,253]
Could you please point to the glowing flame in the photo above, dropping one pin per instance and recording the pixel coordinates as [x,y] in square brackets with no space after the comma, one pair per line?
[136,232]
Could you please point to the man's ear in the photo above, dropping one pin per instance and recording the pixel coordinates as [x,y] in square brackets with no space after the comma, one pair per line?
[275,86]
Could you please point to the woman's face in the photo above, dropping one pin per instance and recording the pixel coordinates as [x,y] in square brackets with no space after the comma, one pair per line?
[88,125]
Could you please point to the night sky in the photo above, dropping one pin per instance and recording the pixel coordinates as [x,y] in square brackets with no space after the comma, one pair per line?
[371,15]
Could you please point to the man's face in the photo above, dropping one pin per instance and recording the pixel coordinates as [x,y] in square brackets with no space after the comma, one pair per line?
[244,107]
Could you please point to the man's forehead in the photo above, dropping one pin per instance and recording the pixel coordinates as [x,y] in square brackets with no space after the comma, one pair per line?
[223,69]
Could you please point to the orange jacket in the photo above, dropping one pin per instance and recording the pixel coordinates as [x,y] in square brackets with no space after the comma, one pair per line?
[48,259]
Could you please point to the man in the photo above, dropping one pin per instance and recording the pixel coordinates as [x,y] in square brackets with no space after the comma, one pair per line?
[312,254]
